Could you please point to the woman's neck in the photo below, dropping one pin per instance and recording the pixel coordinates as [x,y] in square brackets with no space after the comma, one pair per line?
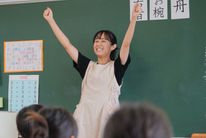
[103,60]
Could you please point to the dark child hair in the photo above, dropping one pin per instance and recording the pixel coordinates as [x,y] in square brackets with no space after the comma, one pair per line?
[138,121]
[22,124]
[52,122]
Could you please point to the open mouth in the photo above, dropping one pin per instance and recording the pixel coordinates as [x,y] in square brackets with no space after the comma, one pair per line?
[99,49]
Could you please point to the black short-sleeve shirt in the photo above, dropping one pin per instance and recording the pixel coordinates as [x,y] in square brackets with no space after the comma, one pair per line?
[119,69]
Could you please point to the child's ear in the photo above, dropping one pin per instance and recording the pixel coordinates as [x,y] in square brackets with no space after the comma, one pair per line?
[113,47]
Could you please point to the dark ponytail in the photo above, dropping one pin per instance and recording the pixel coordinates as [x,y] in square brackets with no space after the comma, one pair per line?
[38,125]
[23,125]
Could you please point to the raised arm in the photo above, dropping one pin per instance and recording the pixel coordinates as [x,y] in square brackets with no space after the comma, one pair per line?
[124,50]
[71,50]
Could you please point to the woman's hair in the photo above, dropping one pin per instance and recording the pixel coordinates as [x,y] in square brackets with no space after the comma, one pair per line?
[22,124]
[138,121]
[51,122]
[110,37]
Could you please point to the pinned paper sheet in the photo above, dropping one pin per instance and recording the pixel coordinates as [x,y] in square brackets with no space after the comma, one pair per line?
[180,9]
[1,102]
[23,56]
[158,9]
[143,15]
[23,91]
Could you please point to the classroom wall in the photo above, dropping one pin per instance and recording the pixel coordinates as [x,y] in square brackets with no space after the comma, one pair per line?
[168,57]
[8,125]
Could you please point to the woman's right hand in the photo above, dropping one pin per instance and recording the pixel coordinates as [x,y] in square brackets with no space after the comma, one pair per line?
[48,15]
[136,11]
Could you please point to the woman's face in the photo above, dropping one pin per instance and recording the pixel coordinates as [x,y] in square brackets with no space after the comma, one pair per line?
[102,47]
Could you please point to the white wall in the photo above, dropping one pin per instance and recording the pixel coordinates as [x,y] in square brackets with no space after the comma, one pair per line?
[8,127]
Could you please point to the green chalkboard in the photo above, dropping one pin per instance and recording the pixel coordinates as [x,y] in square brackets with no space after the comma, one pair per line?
[168,56]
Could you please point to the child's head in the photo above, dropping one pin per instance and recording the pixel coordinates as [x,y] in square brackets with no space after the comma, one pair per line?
[105,38]
[51,122]
[22,124]
[61,123]
[138,121]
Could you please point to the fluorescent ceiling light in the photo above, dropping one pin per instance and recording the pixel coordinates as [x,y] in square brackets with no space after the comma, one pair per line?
[6,2]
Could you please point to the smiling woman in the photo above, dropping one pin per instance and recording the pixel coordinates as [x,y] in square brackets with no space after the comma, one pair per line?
[6,2]
[101,79]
